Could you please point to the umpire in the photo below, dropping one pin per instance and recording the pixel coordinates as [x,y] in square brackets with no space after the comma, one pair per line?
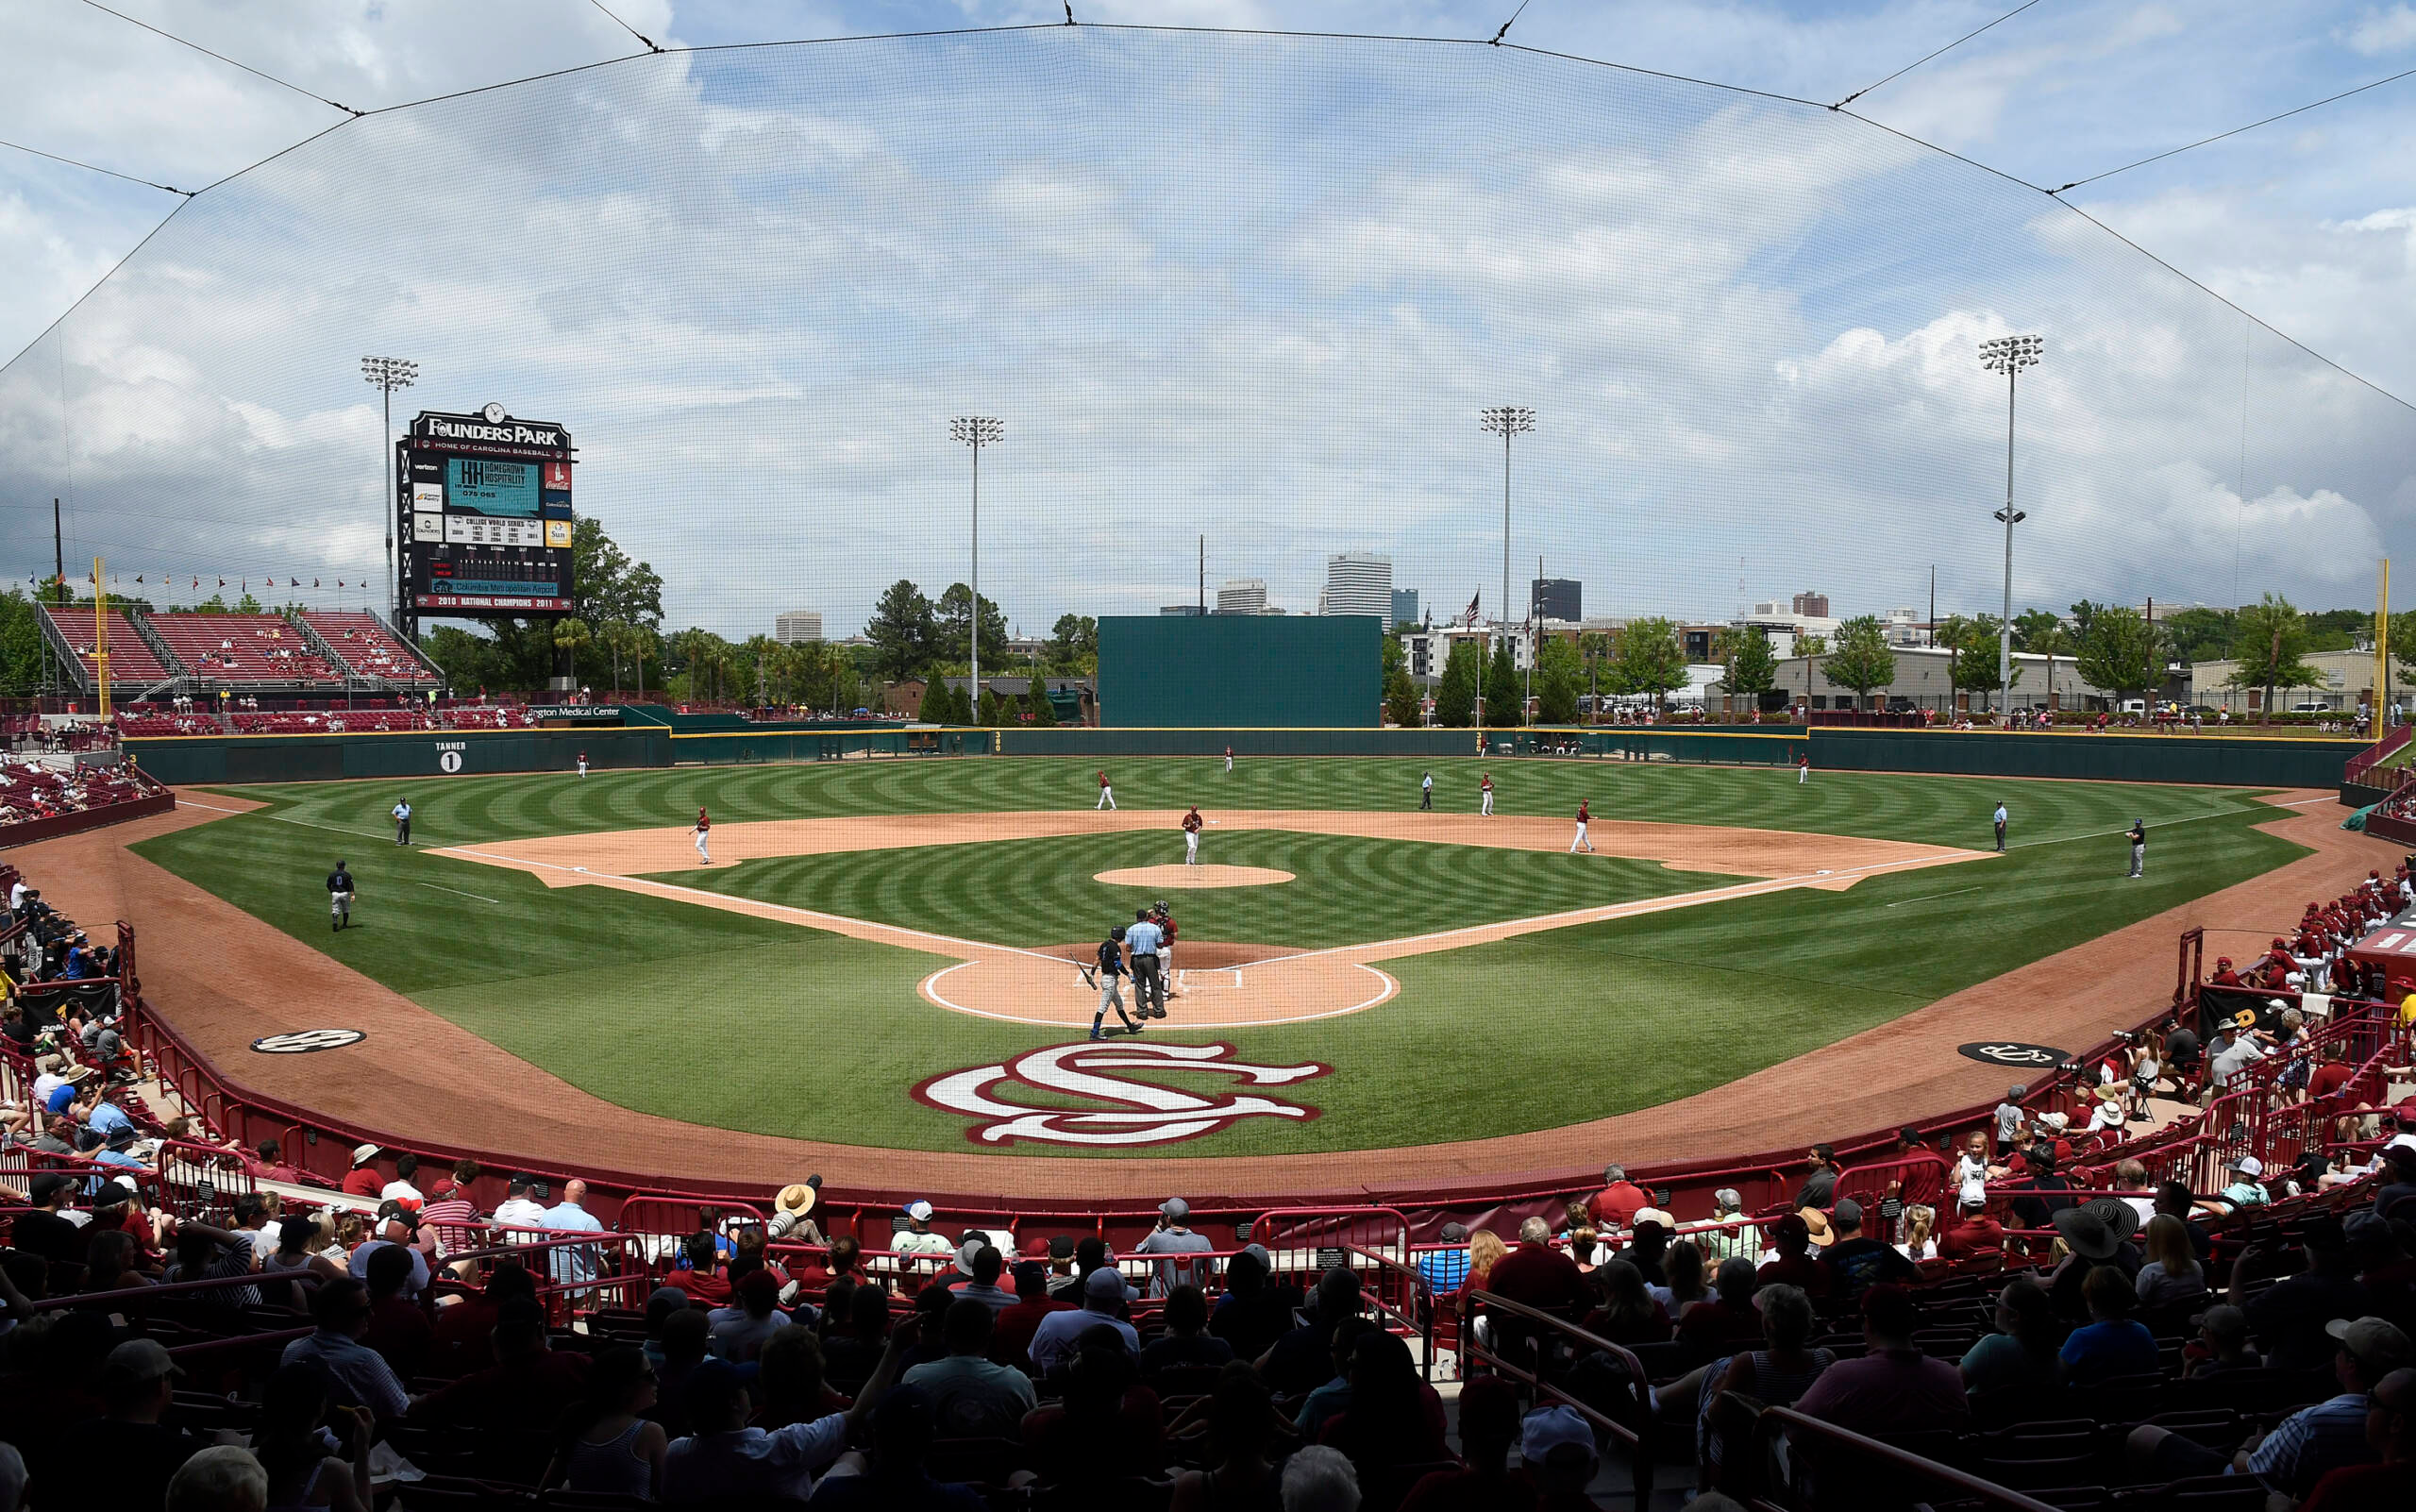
[338,897]
[1144,942]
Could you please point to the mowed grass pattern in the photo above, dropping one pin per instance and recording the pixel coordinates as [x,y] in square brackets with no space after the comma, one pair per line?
[698,1014]
[1346,889]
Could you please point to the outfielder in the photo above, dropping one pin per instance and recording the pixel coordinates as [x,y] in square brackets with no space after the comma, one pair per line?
[1228,760]
[1584,818]
[704,828]
[338,897]
[582,763]
[1191,823]
[1802,768]
[1143,943]
[1110,993]
[1106,795]
[1485,794]
[402,812]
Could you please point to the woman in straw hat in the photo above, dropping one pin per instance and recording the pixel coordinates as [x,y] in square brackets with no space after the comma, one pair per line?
[792,1211]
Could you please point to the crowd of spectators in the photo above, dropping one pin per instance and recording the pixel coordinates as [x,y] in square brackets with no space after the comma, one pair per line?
[32,789]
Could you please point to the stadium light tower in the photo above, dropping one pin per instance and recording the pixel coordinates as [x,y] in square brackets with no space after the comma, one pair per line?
[2008,355]
[977,432]
[1506,420]
[387,373]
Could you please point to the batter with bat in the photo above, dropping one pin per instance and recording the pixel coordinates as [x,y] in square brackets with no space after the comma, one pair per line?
[1105,978]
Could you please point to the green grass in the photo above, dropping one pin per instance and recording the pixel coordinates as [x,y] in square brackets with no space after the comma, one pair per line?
[1346,889]
[699,1014]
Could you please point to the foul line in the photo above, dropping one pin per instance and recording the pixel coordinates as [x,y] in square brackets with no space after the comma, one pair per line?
[1932,898]
[458,892]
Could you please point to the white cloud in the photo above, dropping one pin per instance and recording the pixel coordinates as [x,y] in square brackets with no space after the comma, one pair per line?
[2384,32]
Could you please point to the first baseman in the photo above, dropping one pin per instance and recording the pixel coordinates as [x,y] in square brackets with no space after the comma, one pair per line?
[338,897]
[1191,823]
[1584,816]
[704,828]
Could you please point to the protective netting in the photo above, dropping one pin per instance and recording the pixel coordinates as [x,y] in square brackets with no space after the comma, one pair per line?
[1248,287]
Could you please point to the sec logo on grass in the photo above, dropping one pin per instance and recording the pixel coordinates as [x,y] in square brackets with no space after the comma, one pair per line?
[302,1042]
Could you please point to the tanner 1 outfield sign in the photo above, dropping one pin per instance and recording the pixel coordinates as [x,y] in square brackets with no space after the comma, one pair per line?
[1124,1113]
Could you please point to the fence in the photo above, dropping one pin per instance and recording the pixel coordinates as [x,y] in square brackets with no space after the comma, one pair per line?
[2382,750]
[1633,1425]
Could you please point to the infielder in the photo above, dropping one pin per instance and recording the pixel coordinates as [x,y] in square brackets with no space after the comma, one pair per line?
[2139,849]
[1485,794]
[338,897]
[582,763]
[1584,818]
[1998,819]
[1191,823]
[402,812]
[1106,795]
[704,828]
[1111,992]
[1143,943]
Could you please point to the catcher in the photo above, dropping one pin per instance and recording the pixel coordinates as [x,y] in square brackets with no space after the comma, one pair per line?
[1104,977]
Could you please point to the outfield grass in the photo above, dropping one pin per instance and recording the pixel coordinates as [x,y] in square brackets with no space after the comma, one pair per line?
[756,1024]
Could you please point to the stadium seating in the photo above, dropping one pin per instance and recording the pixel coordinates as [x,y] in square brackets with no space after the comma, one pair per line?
[365,645]
[130,658]
[31,790]
[261,649]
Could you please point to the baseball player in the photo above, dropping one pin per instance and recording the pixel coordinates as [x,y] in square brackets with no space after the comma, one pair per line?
[1426,791]
[582,763]
[1111,992]
[1802,768]
[1998,819]
[338,897]
[704,829]
[1167,932]
[402,812]
[1106,795]
[1191,823]
[1584,816]
[2139,849]
[1228,760]
[1143,943]
[1485,794]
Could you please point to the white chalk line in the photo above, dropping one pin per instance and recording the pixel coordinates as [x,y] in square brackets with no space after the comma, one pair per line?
[458,892]
[1932,898]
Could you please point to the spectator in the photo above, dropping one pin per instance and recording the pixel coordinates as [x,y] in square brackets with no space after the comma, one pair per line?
[223,1478]
[850,1356]
[139,1451]
[2113,1343]
[1973,1233]
[1725,1244]
[1392,1417]
[2173,1278]
[2246,1187]
[1729,1321]
[2018,1359]
[1488,1426]
[740,1333]
[1856,1264]
[1171,1236]
[1241,1425]
[528,1386]
[1109,1425]
[981,1266]
[604,1445]
[792,1213]
[1893,1387]
[789,1385]
[1538,1275]
[685,1337]
[2389,1484]
[2173,1200]
[574,1264]
[1819,1187]
[1791,1236]
[2098,1233]
[359,1376]
[698,1270]
[1302,1357]
[1684,1284]
[1086,1256]
[291,1445]
[2309,1444]
[1186,1343]
[1486,1250]
[392,1231]
[1628,1314]
[402,1188]
[362,1179]
[1318,1479]
[1775,1377]
[918,1236]
[1011,1339]
[1614,1208]
[1053,1342]
[2290,1318]
[519,1210]
[1649,1244]
[450,1215]
[1558,1447]
[1445,1270]
[465,1331]
[398,1330]
[1329,1400]
[725,1459]
[46,1229]
[894,1480]
[2222,1346]
[968,1395]
[2037,1207]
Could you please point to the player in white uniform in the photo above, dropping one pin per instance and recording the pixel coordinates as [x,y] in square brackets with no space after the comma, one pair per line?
[1191,823]
[1106,795]
[1485,794]
[1584,818]
[582,763]
[704,828]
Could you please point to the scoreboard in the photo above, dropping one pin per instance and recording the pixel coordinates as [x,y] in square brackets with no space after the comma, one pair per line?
[485,507]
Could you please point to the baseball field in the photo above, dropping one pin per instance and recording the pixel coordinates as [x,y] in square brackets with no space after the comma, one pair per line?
[882,952]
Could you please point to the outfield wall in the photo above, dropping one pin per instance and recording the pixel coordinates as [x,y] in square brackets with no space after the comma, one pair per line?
[188,759]
[2218,760]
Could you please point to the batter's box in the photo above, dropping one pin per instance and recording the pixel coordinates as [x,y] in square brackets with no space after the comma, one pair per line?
[1216,979]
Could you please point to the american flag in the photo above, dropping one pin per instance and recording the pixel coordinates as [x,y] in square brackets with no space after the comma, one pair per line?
[1470,618]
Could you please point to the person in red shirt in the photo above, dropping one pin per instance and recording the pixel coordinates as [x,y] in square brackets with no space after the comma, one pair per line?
[1972,1232]
[363,1180]
[398,1329]
[2330,1077]
[1011,1336]
[701,1278]
[269,1165]
[1585,818]
[1538,1275]
[1619,1200]
[1792,1237]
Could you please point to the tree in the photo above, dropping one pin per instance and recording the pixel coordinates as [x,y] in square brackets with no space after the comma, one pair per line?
[2039,633]
[1505,696]
[1400,702]
[2273,641]
[570,636]
[1862,660]
[1747,669]
[1594,647]
[1559,672]
[951,629]
[940,704]
[1647,658]
[1810,648]
[992,712]
[606,584]
[1043,713]
[2197,634]
[846,692]
[901,629]
[1073,646]
[2118,651]
[2084,620]
[20,646]
[1975,665]
[1456,690]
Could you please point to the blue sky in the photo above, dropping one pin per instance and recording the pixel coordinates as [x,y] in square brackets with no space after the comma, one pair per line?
[1250,288]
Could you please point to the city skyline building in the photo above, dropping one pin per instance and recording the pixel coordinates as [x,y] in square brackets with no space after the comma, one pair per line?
[1358,582]
[797,625]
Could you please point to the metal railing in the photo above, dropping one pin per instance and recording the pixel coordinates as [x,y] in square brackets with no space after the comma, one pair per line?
[1960,1486]
[1637,1430]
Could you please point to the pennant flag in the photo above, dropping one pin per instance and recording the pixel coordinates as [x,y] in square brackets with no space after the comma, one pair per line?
[293,582]
[1472,613]
[138,577]
[222,582]
[315,582]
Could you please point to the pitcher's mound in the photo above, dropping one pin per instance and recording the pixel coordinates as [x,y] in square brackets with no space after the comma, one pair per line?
[1173,876]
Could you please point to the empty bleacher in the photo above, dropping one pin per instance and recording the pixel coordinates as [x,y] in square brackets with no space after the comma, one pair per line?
[363,643]
[130,658]
[243,648]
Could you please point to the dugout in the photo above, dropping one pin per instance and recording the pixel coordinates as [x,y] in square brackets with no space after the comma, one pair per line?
[1193,671]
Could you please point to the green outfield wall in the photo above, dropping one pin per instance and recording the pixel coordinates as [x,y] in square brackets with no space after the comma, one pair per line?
[2228,761]
[401,753]
[1240,671]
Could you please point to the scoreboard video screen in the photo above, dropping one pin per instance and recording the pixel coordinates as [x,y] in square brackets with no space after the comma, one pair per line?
[486,515]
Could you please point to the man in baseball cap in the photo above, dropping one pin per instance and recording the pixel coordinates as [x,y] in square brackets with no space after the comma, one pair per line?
[2247,1185]
[2307,1445]
[915,1235]
[1560,1454]
[1053,1343]
[1173,1236]
[140,1454]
